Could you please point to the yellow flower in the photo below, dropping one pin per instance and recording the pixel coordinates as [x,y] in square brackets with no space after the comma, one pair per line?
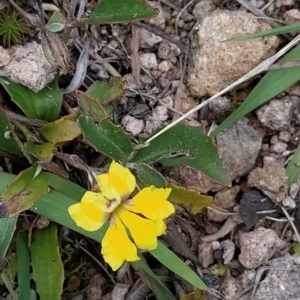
[141,215]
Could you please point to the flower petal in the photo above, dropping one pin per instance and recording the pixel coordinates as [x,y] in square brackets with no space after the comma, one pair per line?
[143,231]
[118,183]
[152,203]
[89,213]
[117,247]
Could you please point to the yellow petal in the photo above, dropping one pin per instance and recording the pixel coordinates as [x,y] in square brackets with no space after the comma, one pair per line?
[118,183]
[143,231]
[117,247]
[152,203]
[89,213]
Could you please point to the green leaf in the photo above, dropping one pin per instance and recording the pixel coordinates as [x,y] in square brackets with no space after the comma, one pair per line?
[189,198]
[54,205]
[23,263]
[176,265]
[44,105]
[160,290]
[26,189]
[106,138]
[293,168]
[43,152]
[55,26]
[10,271]
[7,142]
[193,147]
[273,83]
[274,31]
[7,227]
[148,175]
[48,270]
[107,92]
[62,130]
[119,11]
[91,106]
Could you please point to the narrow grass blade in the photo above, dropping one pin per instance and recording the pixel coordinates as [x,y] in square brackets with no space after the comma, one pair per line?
[176,265]
[274,31]
[160,290]
[7,228]
[293,168]
[48,270]
[273,83]
[23,263]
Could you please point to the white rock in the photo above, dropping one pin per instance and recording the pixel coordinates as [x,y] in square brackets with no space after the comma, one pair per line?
[228,252]
[278,147]
[258,246]
[205,254]
[217,64]
[133,125]
[4,57]
[202,8]
[165,66]
[160,112]
[167,50]
[148,39]
[151,124]
[29,66]
[284,136]
[288,202]
[277,114]
[148,60]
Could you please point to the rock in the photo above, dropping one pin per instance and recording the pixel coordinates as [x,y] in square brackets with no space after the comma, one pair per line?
[167,50]
[205,254]
[133,125]
[284,136]
[238,147]
[148,39]
[159,20]
[151,124]
[165,66]
[160,112]
[258,246]
[278,147]
[4,57]
[291,16]
[219,108]
[216,215]
[227,198]
[247,278]
[277,114]
[231,288]
[271,180]
[228,252]
[218,64]
[29,66]
[194,180]
[288,202]
[202,8]
[148,60]
[119,291]
[281,281]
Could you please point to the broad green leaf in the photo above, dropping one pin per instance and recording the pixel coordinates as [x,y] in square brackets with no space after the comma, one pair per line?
[176,265]
[7,142]
[44,105]
[26,189]
[107,92]
[47,267]
[91,106]
[274,31]
[148,175]
[62,130]
[293,168]
[23,263]
[43,152]
[273,83]
[54,205]
[10,271]
[193,147]
[7,228]
[106,138]
[121,11]
[189,198]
